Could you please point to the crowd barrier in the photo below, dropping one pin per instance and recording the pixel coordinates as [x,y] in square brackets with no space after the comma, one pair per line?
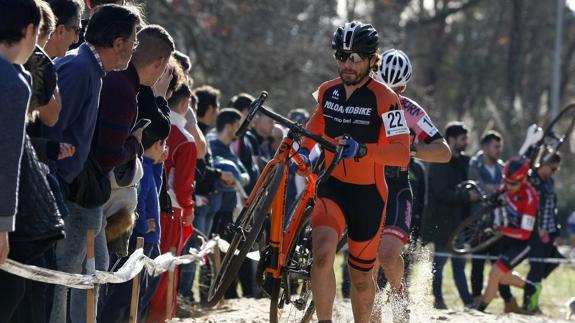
[570,261]
[163,263]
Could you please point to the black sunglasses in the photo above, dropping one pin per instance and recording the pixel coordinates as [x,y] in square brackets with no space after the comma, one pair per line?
[354,58]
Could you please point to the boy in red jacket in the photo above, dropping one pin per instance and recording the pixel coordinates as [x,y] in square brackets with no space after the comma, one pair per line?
[180,170]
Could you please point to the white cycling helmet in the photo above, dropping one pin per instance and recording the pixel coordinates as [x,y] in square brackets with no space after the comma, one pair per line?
[394,69]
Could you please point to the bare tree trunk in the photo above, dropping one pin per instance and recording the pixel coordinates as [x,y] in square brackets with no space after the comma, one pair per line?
[514,54]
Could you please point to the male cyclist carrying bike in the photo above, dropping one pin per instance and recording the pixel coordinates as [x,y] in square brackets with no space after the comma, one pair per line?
[521,202]
[427,144]
[364,115]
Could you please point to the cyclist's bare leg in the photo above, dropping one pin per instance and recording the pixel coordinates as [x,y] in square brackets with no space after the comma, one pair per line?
[324,240]
[362,294]
[498,276]
[390,258]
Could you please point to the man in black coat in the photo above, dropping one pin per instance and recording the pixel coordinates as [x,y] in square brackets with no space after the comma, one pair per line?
[448,206]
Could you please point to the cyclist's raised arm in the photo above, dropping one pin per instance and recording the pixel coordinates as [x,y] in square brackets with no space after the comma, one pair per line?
[437,151]
[431,146]
[395,134]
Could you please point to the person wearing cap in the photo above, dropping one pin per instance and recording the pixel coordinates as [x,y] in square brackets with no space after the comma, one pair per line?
[448,206]
[520,204]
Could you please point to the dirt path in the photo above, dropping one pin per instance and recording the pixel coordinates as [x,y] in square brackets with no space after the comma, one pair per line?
[256,311]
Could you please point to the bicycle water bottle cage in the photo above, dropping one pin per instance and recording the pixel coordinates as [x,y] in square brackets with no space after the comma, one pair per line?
[230,227]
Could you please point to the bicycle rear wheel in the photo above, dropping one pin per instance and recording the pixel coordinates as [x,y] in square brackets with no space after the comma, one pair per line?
[249,223]
[559,131]
[472,235]
[291,295]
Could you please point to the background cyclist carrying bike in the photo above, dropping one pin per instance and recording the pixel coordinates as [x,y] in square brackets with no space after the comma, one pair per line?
[365,115]
[427,144]
[520,204]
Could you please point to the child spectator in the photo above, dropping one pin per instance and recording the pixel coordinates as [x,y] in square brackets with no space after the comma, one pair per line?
[116,307]
[180,170]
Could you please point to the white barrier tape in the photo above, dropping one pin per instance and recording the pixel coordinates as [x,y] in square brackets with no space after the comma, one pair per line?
[47,275]
[254,255]
[132,267]
[485,257]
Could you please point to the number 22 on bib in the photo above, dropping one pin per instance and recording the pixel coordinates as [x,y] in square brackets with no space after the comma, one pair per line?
[395,123]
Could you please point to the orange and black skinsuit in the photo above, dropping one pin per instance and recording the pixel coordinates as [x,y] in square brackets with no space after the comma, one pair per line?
[355,194]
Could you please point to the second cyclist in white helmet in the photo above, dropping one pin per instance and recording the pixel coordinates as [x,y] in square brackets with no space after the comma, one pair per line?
[427,144]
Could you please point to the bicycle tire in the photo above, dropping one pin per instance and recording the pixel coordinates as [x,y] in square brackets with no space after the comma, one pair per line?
[255,215]
[278,285]
[207,269]
[558,131]
[470,236]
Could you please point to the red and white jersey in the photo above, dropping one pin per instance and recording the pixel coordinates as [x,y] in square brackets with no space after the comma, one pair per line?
[181,164]
[521,208]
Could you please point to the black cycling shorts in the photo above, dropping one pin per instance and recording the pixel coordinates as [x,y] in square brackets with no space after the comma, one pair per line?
[361,209]
[514,252]
[399,206]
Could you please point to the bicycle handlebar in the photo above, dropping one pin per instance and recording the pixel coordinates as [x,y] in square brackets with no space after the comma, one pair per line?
[485,198]
[257,106]
[254,106]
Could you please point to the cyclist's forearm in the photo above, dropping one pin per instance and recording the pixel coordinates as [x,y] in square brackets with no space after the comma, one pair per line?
[396,153]
[437,151]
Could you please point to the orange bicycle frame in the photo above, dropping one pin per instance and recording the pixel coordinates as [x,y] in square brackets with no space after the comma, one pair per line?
[279,242]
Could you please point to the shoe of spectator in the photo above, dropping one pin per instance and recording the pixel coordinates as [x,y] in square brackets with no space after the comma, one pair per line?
[440,304]
[533,304]
[511,306]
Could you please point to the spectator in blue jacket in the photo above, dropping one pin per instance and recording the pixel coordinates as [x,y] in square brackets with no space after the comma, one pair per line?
[227,123]
[110,39]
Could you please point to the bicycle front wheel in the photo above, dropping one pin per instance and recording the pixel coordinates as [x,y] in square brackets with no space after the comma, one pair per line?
[291,295]
[473,234]
[558,132]
[248,226]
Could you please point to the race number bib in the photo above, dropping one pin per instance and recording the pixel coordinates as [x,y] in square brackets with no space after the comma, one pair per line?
[527,222]
[426,125]
[395,123]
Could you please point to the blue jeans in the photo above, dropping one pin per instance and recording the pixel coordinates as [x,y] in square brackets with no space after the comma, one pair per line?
[204,215]
[71,257]
[203,222]
[458,268]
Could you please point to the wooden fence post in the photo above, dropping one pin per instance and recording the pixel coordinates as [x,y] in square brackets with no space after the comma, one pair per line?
[170,292]
[136,289]
[90,267]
